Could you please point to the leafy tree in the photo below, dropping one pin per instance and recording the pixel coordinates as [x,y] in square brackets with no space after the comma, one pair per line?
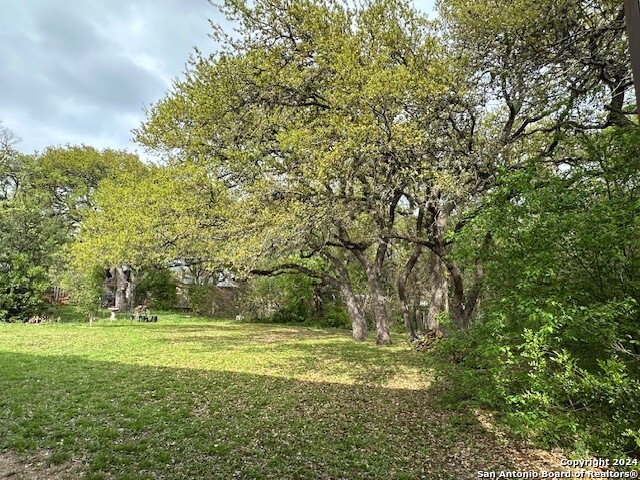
[9,163]
[28,241]
[158,288]
[531,75]
[148,218]
[43,197]
[549,66]
[315,115]
[65,178]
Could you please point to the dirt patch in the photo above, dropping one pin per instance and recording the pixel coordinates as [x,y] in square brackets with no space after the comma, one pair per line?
[37,466]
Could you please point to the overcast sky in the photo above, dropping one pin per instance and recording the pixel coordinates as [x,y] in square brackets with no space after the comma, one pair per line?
[81,71]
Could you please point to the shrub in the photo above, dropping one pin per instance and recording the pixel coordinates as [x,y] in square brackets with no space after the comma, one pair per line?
[201,299]
[22,288]
[335,316]
[158,288]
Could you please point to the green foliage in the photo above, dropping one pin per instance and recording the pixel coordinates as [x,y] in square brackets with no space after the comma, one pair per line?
[84,283]
[560,345]
[23,288]
[65,178]
[44,198]
[280,299]
[201,299]
[157,288]
[295,313]
[335,316]
[293,299]
[151,215]
[318,117]
[553,387]
[28,241]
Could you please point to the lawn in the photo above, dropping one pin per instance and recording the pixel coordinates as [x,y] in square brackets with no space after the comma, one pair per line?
[189,398]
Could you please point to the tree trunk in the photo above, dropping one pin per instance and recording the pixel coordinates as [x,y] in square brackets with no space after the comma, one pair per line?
[406,316]
[358,321]
[342,281]
[419,320]
[130,293]
[437,292]
[374,275]
[318,300]
[121,287]
[463,303]
[379,312]
[402,291]
[461,306]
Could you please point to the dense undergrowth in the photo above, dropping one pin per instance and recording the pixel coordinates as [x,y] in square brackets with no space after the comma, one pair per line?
[556,345]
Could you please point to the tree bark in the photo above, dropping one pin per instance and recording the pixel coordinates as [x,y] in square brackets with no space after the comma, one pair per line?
[379,311]
[402,291]
[462,306]
[419,320]
[121,287]
[459,313]
[318,301]
[130,293]
[437,292]
[359,330]
[374,275]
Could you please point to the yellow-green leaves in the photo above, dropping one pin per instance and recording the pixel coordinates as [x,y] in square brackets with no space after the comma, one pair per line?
[153,216]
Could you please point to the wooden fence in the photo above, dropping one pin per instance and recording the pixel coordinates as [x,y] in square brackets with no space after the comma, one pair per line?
[57,295]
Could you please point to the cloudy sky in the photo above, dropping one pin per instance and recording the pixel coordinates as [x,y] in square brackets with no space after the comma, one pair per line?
[81,71]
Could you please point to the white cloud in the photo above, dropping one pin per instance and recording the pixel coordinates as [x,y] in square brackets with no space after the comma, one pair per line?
[78,71]
[81,72]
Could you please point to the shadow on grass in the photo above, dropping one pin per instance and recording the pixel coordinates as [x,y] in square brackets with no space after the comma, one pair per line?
[126,421]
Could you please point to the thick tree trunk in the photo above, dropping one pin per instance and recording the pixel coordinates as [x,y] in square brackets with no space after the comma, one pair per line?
[342,281]
[437,292]
[121,287]
[459,316]
[379,311]
[461,306]
[402,291]
[125,287]
[463,303]
[374,279]
[130,293]
[358,320]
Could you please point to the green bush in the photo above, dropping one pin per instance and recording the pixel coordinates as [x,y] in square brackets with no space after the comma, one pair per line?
[158,289]
[558,352]
[22,288]
[335,316]
[84,285]
[296,312]
[280,299]
[201,299]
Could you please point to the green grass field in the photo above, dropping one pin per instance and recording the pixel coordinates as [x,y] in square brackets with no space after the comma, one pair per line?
[188,398]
